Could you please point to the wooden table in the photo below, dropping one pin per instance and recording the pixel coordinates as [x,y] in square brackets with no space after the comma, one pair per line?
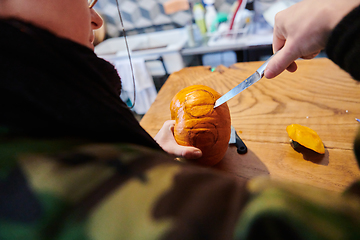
[318,95]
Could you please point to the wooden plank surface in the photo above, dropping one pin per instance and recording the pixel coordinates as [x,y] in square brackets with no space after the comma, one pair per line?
[319,95]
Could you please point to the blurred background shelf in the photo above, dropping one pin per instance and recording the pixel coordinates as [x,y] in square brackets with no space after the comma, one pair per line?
[164,37]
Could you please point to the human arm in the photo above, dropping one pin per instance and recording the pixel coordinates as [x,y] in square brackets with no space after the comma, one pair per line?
[95,190]
[343,45]
[302,31]
[165,138]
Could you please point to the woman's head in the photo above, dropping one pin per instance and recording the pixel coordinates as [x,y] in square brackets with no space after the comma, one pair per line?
[71,19]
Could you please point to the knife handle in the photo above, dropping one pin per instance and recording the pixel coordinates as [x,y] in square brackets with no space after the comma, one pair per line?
[241,147]
[261,69]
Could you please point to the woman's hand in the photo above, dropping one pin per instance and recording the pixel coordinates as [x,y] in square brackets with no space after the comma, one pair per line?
[165,138]
[302,31]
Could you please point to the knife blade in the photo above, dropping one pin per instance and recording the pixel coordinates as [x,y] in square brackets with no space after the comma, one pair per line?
[256,76]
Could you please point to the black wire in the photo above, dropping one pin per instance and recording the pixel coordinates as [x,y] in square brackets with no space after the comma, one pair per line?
[128,51]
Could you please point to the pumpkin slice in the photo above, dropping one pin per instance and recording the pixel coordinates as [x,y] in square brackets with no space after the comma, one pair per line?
[306,137]
[198,124]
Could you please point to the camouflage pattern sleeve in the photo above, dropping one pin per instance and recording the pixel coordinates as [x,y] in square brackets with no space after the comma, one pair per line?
[71,189]
[68,189]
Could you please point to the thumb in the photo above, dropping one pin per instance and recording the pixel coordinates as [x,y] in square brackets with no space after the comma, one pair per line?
[187,152]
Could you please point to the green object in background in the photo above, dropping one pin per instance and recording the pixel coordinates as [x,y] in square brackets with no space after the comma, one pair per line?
[220,18]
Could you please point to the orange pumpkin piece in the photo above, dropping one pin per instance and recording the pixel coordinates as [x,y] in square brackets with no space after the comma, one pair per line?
[306,137]
[198,124]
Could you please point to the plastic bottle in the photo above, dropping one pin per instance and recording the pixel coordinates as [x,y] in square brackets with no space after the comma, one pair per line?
[190,32]
[211,14]
[199,16]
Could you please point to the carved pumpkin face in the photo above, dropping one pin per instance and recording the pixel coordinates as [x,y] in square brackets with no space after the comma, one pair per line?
[198,124]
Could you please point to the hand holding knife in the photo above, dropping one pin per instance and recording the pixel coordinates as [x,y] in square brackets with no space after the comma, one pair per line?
[244,85]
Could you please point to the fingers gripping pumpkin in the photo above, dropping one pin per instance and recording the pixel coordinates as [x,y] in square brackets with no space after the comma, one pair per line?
[198,124]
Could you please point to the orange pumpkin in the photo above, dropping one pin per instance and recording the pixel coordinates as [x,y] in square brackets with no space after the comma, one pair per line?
[198,124]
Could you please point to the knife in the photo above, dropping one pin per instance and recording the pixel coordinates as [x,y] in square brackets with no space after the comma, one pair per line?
[236,140]
[244,85]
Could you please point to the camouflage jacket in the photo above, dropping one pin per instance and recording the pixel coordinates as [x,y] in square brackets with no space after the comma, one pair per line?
[75,189]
